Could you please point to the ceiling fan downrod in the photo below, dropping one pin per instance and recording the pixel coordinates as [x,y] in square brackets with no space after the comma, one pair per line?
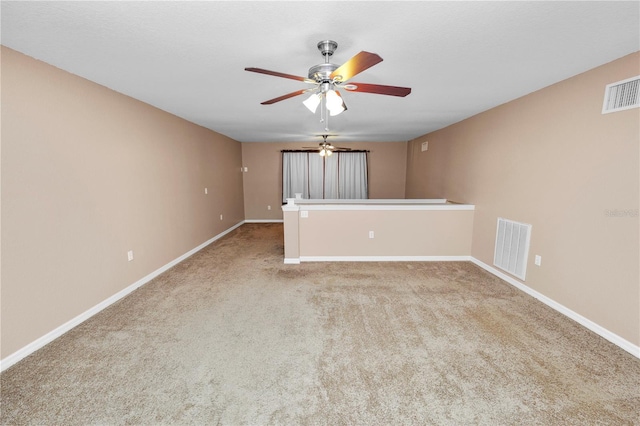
[321,73]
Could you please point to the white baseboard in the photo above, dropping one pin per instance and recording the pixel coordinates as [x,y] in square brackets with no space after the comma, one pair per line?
[59,331]
[599,330]
[384,258]
[49,337]
[292,261]
[264,221]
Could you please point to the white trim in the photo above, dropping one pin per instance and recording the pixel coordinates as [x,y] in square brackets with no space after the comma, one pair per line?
[290,207]
[395,201]
[359,207]
[59,331]
[264,221]
[598,329]
[385,258]
[374,204]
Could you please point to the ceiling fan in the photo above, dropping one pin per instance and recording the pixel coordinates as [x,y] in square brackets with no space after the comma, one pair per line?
[325,148]
[327,78]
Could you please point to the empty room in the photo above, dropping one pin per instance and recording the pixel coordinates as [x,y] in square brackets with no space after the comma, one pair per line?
[354,212]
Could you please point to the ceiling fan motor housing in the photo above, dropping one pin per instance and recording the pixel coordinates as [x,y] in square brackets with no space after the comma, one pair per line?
[321,72]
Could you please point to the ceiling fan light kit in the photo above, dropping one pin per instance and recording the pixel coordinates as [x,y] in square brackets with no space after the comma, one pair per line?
[326,149]
[325,152]
[328,78]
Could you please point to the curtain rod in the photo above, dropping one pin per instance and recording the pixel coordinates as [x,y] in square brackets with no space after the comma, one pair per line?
[315,150]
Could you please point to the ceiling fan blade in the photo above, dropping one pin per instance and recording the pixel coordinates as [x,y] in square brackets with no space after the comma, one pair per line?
[283,97]
[379,89]
[280,74]
[355,65]
[335,148]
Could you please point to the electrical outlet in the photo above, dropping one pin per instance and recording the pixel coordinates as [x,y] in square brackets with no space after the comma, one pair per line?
[268,207]
[206,191]
[538,260]
[371,235]
[130,255]
[425,146]
[220,217]
[304,213]
[246,169]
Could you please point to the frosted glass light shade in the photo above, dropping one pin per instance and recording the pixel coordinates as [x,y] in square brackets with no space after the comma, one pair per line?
[333,100]
[336,110]
[312,102]
[335,105]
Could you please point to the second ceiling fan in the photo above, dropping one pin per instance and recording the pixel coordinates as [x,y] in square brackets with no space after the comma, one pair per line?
[325,149]
[327,78]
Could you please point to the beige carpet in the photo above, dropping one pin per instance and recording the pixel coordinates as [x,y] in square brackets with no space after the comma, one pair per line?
[234,336]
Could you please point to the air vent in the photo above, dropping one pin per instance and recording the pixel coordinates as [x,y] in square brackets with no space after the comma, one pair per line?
[622,95]
[512,247]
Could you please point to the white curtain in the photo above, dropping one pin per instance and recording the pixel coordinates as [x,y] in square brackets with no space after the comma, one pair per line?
[331,177]
[295,175]
[342,175]
[316,172]
[352,175]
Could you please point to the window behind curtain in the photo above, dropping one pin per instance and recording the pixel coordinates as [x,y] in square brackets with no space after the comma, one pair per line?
[342,175]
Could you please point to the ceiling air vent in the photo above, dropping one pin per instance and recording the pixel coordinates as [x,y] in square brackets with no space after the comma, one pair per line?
[622,95]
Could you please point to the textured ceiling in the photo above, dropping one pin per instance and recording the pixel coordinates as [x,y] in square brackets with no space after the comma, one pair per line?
[188,58]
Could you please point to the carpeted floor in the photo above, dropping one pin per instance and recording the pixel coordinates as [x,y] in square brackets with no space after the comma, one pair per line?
[234,336]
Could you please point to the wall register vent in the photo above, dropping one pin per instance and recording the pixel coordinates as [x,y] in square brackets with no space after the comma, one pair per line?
[622,95]
[512,247]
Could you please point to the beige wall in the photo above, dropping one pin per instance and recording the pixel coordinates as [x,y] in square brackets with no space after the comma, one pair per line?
[88,174]
[397,233]
[263,181]
[553,160]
